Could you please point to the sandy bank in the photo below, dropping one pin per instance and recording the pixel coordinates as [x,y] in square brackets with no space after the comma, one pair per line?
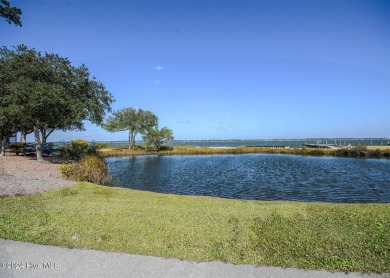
[25,175]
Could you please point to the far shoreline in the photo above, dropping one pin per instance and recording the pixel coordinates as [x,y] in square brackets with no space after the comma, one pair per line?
[354,152]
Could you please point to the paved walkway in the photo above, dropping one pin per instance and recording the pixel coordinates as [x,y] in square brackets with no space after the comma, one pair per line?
[19,259]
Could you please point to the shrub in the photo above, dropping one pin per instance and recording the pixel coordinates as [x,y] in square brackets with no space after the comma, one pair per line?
[139,147]
[166,148]
[361,148]
[375,153]
[359,151]
[67,170]
[343,152]
[100,146]
[90,168]
[76,149]
[17,145]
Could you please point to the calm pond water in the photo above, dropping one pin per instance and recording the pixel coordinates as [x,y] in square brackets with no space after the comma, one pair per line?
[258,177]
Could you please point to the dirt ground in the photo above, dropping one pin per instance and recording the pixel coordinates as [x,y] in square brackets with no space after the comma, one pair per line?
[21,175]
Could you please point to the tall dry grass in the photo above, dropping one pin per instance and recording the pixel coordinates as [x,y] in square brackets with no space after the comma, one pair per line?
[358,151]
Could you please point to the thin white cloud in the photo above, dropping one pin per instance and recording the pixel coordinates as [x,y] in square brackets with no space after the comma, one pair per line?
[158,68]
[157,82]
[183,122]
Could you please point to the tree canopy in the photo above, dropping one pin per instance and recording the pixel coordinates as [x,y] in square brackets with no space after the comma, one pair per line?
[158,137]
[132,119]
[44,92]
[11,14]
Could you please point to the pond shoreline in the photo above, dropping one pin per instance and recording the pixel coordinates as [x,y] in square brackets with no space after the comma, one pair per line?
[355,152]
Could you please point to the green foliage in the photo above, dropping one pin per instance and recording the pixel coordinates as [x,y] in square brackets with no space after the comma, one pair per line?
[45,92]
[166,148]
[158,138]
[11,14]
[133,120]
[100,146]
[68,171]
[139,147]
[359,151]
[76,149]
[17,145]
[90,168]
[139,121]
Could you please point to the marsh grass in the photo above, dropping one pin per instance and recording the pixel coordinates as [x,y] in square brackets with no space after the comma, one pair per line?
[335,237]
[194,150]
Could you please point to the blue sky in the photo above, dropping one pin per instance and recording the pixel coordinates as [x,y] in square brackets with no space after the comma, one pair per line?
[226,69]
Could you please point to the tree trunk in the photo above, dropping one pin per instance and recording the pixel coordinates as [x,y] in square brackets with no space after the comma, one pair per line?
[132,134]
[23,136]
[44,136]
[133,141]
[2,151]
[48,133]
[45,132]
[38,147]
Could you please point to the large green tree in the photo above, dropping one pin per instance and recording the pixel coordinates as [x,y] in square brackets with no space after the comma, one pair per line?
[10,114]
[11,14]
[49,93]
[132,119]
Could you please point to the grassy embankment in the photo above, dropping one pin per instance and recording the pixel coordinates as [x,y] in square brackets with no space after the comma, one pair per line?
[373,152]
[288,234]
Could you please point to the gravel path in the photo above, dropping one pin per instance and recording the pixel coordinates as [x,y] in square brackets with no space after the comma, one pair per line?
[25,175]
[20,259]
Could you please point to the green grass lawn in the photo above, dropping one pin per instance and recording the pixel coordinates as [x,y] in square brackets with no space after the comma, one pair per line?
[288,234]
